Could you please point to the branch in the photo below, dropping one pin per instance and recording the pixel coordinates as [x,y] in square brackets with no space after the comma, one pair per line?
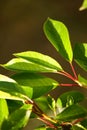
[69,85]
[41,116]
[64,73]
[73,70]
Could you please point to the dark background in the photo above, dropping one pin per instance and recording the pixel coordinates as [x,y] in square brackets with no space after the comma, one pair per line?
[21,29]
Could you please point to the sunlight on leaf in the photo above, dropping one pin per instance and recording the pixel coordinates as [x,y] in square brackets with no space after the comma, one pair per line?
[80,55]
[4,112]
[57,34]
[83,6]
[18,119]
[9,89]
[22,65]
[40,84]
[42,60]
[72,112]
[78,127]
[82,81]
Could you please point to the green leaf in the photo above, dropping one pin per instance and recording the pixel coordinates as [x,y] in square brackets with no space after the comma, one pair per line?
[43,128]
[22,65]
[78,127]
[9,89]
[13,105]
[57,34]
[18,119]
[12,96]
[40,84]
[72,112]
[80,55]
[83,6]
[84,123]
[72,97]
[46,63]
[82,81]
[42,103]
[3,111]
[51,103]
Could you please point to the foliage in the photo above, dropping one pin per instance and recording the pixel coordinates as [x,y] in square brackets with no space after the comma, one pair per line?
[25,92]
[83,6]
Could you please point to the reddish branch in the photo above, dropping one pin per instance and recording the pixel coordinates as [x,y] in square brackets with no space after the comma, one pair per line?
[73,70]
[68,85]
[49,121]
[41,116]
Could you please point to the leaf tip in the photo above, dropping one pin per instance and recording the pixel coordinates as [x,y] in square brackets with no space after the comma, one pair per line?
[3,65]
[81,8]
[15,54]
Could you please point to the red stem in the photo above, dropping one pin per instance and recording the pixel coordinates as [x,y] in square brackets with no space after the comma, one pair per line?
[64,73]
[68,85]
[41,115]
[73,70]
[48,123]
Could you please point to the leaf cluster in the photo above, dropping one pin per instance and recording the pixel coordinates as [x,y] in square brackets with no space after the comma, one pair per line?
[23,95]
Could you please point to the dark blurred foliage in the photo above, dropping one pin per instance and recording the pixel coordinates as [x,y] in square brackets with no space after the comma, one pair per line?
[21,28]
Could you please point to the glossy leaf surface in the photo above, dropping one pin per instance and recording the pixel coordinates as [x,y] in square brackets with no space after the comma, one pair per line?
[22,65]
[18,119]
[9,89]
[82,81]
[40,84]
[84,5]
[78,127]
[57,34]
[43,128]
[42,60]
[4,112]
[80,55]
[72,112]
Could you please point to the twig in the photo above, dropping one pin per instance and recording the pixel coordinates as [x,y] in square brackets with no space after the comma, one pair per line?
[47,123]
[69,85]
[73,70]
[41,116]
[64,73]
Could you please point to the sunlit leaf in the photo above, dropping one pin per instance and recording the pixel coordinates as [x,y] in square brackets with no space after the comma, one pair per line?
[9,89]
[22,65]
[78,127]
[84,5]
[80,55]
[43,128]
[40,60]
[57,34]
[4,112]
[82,81]
[40,84]
[72,112]
[18,119]
[7,95]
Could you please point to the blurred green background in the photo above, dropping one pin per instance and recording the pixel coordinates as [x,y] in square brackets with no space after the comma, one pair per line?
[21,29]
